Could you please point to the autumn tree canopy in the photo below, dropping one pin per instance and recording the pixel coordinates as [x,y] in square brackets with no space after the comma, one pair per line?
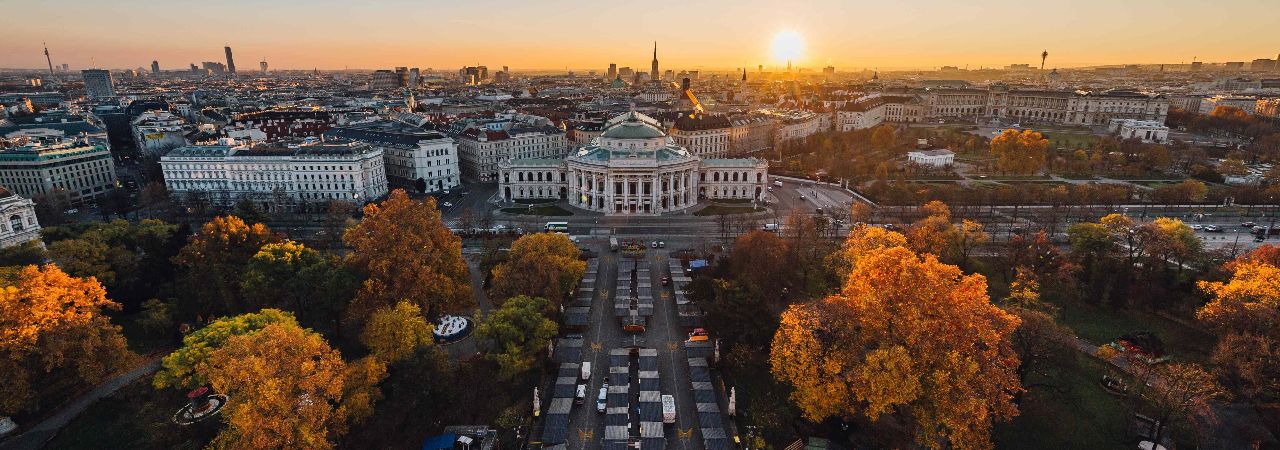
[213,260]
[909,336]
[407,254]
[1243,313]
[53,323]
[393,334]
[545,265]
[183,368]
[1022,153]
[290,389]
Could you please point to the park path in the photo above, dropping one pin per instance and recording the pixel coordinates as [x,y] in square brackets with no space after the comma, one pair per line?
[37,436]
[1228,426]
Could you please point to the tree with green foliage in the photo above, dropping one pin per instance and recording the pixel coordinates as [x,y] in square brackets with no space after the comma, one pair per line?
[517,332]
[131,259]
[288,275]
[184,367]
[24,254]
[212,263]
[394,334]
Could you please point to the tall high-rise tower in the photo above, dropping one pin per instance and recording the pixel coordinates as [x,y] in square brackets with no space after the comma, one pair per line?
[653,67]
[47,58]
[155,66]
[263,65]
[98,84]
[231,63]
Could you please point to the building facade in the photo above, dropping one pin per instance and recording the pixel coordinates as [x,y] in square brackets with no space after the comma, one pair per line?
[84,170]
[633,167]
[482,144]
[98,84]
[1145,130]
[1078,108]
[157,132]
[18,224]
[414,158]
[275,175]
[706,136]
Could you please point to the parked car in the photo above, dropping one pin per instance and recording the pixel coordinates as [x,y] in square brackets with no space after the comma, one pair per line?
[654,244]
[586,371]
[662,244]
[604,392]
[1197,227]
[447,205]
[1212,229]
[581,396]
[1248,224]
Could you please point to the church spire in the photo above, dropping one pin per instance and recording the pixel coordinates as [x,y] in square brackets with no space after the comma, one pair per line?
[653,69]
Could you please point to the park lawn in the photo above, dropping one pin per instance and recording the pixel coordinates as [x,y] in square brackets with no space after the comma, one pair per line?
[1101,325]
[1066,408]
[1070,140]
[137,416]
[550,210]
[715,210]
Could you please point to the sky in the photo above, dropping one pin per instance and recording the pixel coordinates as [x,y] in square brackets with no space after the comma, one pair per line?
[582,35]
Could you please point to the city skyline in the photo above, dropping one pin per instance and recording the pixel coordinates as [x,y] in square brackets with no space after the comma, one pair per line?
[924,34]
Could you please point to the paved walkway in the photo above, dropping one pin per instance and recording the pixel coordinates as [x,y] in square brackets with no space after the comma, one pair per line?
[36,437]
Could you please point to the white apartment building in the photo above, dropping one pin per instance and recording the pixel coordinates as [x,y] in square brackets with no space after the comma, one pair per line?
[1146,130]
[705,135]
[750,134]
[998,101]
[482,144]
[83,169]
[18,222]
[157,132]
[414,157]
[275,174]
[793,124]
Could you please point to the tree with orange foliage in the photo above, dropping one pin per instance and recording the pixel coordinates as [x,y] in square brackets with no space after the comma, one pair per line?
[934,233]
[860,212]
[1175,391]
[290,389]
[212,262]
[861,241]
[545,265]
[53,323]
[1022,153]
[968,237]
[408,254]
[907,336]
[1266,254]
[1242,312]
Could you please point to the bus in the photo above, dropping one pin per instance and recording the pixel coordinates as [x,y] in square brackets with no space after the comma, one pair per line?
[557,227]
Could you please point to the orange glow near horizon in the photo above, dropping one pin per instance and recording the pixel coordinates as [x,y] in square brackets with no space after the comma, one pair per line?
[576,35]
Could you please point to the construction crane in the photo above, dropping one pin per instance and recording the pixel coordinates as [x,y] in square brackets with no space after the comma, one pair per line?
[693,99]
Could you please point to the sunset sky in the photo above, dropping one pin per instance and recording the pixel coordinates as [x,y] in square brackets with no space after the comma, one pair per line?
[556,34]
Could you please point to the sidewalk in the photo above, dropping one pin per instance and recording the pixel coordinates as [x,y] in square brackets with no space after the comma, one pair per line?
[36,437]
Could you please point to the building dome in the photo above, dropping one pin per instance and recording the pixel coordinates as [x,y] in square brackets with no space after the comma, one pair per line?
[633,129]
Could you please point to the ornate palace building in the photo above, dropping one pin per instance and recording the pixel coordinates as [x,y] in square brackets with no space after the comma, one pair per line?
[633,167]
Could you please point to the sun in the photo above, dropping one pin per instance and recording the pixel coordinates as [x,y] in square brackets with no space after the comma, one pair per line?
[788,45]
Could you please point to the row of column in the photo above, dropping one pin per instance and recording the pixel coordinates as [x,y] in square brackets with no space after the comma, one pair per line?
[596,191]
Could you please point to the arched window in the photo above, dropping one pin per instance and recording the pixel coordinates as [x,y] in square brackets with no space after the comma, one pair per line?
[15,222]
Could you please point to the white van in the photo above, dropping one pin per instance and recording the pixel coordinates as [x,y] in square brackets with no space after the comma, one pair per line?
[581,396]
[668,409]
[586,371]
[604,392]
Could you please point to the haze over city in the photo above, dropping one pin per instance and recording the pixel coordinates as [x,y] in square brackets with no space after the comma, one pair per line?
[558,34]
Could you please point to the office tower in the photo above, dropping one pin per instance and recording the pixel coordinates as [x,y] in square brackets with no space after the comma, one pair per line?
[653,67]
[263,65]
[195,68]
[613,71]
[66,67]
[415,74]
[97,83]
[231,63]
[155,66]
[402,76]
